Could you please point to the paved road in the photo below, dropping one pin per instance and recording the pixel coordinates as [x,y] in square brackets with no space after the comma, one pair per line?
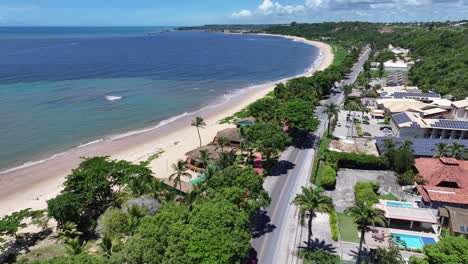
[277,229]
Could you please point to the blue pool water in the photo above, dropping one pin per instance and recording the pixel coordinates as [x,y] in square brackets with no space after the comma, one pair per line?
[413,241]
[399,204]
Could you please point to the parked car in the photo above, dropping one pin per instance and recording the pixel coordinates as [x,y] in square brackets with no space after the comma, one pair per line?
[366,122]
[385,127]
[367,134]
[338,124]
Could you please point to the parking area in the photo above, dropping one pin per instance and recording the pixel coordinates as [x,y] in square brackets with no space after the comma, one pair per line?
[343,195]
[346,129]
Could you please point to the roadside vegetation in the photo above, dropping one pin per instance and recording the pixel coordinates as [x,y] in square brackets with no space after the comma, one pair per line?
[437,48]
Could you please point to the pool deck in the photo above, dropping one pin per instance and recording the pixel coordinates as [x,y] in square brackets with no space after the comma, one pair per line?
[380,236]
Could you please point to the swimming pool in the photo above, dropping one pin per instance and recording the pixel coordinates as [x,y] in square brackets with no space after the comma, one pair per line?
[399,204]
[412,241]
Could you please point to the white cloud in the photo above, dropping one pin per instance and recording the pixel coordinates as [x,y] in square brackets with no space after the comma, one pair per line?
[348,9]
[243,13]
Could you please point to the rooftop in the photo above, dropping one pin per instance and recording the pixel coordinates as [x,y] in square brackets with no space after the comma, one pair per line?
[422,147]
[458,218]
[408,213]
[446,179]
[232,134]
[461,103]
[410,119]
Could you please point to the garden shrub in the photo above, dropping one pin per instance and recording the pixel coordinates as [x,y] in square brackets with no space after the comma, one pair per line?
[355,161]
[364,192]
[334,224]
[328,177]
[407,178]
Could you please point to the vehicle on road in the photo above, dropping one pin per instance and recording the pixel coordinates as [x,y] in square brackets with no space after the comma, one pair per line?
[367,134]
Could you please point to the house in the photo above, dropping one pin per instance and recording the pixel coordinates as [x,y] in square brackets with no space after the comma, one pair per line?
[455,219]
[421,147]
[460,109]
[194,161]
[446,182]
[411,124]
[403,215]
[233,135]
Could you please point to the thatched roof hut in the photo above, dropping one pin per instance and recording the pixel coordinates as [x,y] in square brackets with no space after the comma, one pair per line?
[213,150]
[232,134]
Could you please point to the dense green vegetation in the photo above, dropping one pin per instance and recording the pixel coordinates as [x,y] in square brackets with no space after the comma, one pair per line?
[449,249]
[440,50]
[366,192]
[328,177]
[355,161]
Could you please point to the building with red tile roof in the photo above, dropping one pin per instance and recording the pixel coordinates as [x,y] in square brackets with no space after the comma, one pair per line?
[446,181]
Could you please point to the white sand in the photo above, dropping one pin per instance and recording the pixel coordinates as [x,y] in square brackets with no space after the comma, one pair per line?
[31,186]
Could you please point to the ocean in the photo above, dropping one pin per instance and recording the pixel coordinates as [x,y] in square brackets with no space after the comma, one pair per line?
[65,87]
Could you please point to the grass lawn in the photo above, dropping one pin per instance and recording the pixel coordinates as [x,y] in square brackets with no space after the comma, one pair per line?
[347,228]
[389,196]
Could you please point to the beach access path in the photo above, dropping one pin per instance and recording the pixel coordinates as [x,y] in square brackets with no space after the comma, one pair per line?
[279,234]
[30,186]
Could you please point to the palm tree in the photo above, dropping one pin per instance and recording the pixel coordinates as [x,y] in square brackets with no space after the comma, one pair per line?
[331,109]
[135,213]
[442,150]
[179,171]
[458,151]
[364,215]
[407,145]
[205,157]
[198,122]
[222,142]
[153,188]
[310,202]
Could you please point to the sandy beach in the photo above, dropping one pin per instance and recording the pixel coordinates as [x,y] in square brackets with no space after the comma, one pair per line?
[31,185]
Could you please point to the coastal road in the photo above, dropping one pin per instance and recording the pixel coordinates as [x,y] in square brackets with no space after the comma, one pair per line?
[276,231]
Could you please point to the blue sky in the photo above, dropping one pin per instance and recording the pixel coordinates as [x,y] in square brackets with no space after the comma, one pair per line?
[197,12]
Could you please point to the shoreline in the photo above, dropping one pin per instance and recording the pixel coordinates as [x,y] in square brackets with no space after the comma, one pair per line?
[30,185]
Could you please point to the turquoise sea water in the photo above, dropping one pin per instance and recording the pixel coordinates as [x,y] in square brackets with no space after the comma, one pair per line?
[63,87]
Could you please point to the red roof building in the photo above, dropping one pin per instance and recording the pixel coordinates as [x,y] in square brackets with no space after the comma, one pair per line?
[446,181]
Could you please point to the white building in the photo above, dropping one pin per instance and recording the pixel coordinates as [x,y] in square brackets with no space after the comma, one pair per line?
[460,109]
[397,65]
[409,124]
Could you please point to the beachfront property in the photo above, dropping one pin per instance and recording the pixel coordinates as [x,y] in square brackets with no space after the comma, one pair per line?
[233,135]
[454,219]
[445,182]
[194,162]
[409,124]
[421,147]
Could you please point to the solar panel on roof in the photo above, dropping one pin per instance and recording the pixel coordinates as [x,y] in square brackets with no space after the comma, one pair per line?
[451,124]
[422,147]
[401,118]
